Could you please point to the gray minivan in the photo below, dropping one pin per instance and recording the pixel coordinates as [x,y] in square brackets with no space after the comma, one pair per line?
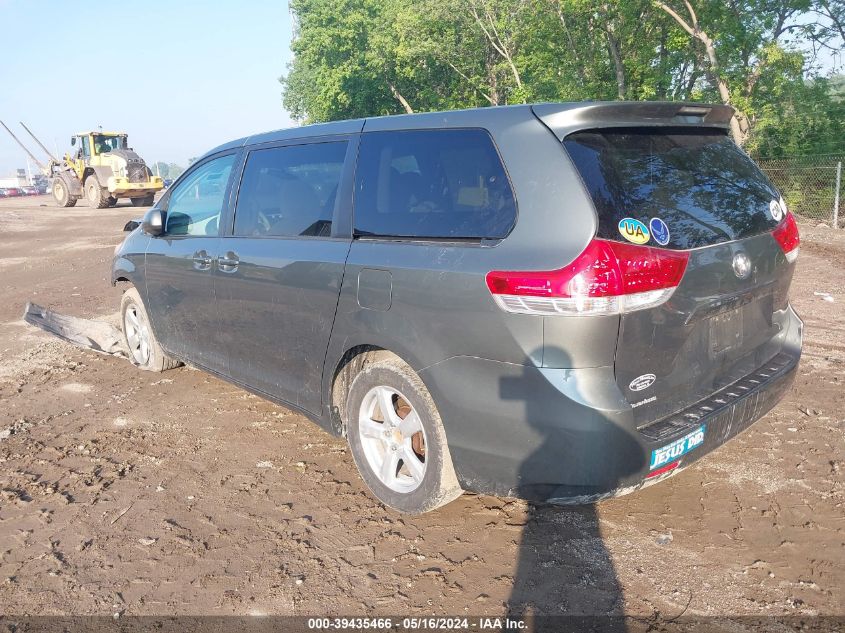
[561,302]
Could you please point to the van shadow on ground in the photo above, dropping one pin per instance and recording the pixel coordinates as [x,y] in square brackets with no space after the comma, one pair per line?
[563,566]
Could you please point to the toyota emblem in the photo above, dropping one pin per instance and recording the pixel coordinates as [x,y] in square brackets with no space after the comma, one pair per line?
[741,266]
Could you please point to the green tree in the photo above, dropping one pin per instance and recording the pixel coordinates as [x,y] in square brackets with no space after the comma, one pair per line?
[356,58]
[805,118]
[749,56]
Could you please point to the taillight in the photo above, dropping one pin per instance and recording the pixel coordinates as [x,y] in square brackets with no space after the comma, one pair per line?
[607,278]
[786,234]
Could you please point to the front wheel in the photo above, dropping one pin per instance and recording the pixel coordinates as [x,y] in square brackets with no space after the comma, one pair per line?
[61,193]
[98,198]
[144,350]
[397,439]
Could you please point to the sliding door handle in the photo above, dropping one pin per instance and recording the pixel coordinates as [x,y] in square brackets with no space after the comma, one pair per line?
[202,260]
[228,263]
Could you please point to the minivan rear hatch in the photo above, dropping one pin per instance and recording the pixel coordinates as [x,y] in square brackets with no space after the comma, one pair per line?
[685,186]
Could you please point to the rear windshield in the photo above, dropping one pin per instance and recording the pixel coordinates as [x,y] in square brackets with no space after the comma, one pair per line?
[675,188]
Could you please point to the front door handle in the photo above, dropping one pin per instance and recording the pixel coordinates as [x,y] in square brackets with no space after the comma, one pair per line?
[202,260]
[228,263]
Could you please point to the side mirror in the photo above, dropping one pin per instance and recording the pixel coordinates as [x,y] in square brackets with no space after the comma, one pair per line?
[153,223]
[73,140]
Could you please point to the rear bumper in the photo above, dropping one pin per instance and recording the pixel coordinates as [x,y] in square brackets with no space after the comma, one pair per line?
[715,420]
[569,436]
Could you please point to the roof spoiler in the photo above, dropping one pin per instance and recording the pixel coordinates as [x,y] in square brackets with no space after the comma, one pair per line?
[565,118]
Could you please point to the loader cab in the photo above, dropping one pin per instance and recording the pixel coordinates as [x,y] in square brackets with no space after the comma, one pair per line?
[104,143]
[84,150]
[92,144]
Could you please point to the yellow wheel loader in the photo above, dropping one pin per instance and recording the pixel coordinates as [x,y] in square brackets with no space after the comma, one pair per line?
[102,169]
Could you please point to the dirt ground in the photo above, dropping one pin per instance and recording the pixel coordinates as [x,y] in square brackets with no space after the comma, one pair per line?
[148,494]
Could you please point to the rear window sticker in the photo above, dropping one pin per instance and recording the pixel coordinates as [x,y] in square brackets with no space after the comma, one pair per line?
[659,231]
[776,210]
[633,230]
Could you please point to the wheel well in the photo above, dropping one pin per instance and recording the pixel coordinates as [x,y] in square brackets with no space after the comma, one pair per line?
[349,366]
[122,280]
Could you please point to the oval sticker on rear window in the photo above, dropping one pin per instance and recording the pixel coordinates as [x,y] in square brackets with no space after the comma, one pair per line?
[776,210]
[633,230]
[659,231]
[642,382]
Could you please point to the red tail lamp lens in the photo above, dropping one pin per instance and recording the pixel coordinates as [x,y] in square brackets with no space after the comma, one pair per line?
[786,234]
[606,278]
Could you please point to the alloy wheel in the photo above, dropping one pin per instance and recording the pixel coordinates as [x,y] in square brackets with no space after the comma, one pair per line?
[393,439]
[137,334]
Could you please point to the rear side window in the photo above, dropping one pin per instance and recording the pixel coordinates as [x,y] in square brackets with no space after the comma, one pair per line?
[290,191]
[698,182]
[447,184]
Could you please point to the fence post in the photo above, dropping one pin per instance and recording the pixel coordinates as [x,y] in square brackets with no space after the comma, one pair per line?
[836,195]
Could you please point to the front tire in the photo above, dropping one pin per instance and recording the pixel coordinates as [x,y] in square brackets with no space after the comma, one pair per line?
[97,196]
[397,439]
[141,344]
[61,193]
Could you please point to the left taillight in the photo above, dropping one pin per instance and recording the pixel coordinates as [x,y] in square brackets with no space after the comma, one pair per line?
[606,278]
[786,234]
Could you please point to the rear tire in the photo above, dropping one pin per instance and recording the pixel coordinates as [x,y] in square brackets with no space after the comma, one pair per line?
[61,193]
[141,344]
[143,202]
[402,455]
[97,196]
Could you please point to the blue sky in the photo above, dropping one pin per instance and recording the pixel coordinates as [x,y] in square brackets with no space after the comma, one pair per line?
[180,77]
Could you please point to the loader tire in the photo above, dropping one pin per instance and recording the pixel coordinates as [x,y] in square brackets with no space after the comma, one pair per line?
[97,196]
[61,194]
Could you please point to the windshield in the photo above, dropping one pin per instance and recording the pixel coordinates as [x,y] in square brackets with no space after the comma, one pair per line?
[103,143]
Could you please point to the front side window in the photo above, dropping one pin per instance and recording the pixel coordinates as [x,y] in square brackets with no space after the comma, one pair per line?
[196,202]
[446,184]
[290,191]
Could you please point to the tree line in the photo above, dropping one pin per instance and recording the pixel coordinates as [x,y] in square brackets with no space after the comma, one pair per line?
[769,59]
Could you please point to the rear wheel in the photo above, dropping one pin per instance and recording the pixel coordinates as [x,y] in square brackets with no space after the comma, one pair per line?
[143,202]
[97,196]
[61,193]
[397,439]
[144,350]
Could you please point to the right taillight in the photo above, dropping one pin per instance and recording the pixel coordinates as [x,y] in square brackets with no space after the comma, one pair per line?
[786,234]
[606,278]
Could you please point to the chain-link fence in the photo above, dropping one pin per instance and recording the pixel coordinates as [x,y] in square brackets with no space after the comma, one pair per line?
[810,185]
